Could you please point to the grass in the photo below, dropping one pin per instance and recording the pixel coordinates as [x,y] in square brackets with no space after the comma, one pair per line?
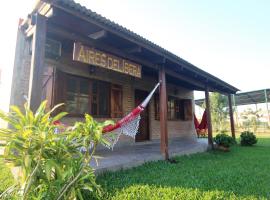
[243,173]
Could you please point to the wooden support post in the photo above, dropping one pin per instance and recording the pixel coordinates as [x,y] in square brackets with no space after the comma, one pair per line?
[163,114]
[37,62]
[231,115]
[209,122]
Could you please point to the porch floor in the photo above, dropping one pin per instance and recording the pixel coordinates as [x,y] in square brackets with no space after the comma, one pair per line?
[130,156]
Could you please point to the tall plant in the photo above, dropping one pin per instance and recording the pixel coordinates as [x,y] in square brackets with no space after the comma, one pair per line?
[53,165]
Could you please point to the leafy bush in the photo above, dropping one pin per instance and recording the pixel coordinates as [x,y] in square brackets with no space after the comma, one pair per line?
[224,140]
[52,164]
[248,138]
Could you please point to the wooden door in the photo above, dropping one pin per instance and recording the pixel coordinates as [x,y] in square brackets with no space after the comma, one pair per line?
[143,133]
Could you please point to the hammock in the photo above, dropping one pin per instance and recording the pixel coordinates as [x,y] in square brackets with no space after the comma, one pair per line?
[129,124]
[201,127]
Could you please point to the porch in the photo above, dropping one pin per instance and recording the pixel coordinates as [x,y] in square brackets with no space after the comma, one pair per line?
[124,157]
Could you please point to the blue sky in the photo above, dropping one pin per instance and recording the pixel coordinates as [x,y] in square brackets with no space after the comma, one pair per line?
[228,38]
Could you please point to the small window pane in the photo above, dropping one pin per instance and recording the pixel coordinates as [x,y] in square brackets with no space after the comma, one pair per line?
[84,87]
[71,104]
[71,85]
[83,105]
[94,99]
[94,109]
[94,87]
[104,94]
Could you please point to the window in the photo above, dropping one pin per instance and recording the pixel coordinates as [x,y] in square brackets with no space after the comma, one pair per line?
[77,95]
[177,109]
[92,96]
[100,99]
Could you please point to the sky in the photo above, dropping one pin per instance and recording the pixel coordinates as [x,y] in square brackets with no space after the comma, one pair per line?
[227,38]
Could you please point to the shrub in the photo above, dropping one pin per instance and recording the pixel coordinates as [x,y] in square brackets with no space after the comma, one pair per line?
[224,140]
[52,164]
[248,138]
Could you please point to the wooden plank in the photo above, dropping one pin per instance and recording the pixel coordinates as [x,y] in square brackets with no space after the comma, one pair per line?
[231,115]
[37,63]
[92,56]
[163,113]
[209,121]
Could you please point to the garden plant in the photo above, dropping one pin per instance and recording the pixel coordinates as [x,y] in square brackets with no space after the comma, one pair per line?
[248,138]
[224,141]
[52,165]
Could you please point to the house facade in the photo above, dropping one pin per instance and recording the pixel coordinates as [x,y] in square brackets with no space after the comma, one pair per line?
[67,53]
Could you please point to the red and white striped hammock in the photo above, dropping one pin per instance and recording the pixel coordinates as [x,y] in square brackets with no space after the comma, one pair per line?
[128,125]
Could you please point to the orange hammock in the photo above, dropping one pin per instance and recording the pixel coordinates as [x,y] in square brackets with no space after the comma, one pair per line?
[201,128]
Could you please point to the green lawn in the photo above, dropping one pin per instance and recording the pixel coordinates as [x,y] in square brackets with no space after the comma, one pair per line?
[243,173]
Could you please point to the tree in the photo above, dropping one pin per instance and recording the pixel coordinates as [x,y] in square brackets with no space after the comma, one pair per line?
[219,111]
[251,118]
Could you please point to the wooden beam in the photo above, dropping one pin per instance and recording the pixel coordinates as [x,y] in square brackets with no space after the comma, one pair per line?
[231,115]
[209,121]
[163,113]
[98,35]
[46,10]
[30,31]
[37,63]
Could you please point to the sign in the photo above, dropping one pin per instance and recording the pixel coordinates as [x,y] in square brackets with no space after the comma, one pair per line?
[95,57]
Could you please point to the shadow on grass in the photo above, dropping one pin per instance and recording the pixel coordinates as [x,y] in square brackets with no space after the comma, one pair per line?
[242,172]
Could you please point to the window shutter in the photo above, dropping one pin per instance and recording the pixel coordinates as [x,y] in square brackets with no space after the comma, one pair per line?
[116,101]
[59,89]
[48,86]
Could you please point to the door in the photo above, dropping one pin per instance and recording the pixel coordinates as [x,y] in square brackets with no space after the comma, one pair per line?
[143,133]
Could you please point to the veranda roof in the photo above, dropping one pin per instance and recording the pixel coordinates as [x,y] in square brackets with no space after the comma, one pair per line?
[149,50]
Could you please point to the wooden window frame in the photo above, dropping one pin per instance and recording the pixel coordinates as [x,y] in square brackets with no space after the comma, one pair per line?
[61,88]
[183,113]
